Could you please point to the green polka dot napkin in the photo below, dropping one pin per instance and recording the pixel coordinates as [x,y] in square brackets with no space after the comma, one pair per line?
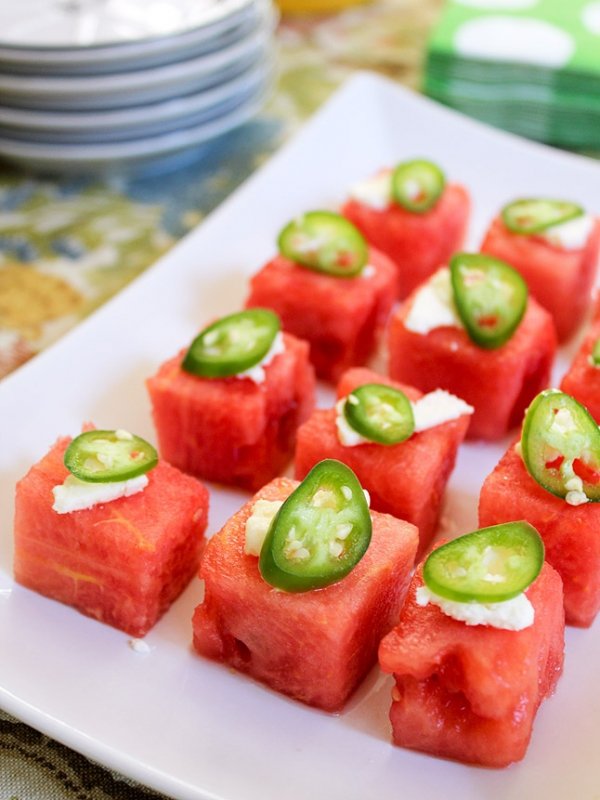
[529,66]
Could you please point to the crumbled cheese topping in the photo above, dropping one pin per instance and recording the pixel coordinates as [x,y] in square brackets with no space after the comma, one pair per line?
[140,646]
[430,410]
[433,305]
[76,495]
[375,192]
[570,235]
[258,524]
[512,615]
[257,373]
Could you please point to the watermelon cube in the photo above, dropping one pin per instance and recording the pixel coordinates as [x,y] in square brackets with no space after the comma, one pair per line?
[498,383]
[314,646]
[406,480]
[123,562]
[417,243]
[340,317]
[561,280]
[233,430]
[582,381]
[471,693]
[571,534]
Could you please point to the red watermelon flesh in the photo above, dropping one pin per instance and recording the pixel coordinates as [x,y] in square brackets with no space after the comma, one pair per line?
[571,534]
[471,693]
[561,280]
[417,243]
[499,383]
[341,318]
[582,381]
[406,480]
[314,646]
[233,430]
[122,562]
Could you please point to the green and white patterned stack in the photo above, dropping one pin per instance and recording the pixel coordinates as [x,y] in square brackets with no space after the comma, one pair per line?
[529,66]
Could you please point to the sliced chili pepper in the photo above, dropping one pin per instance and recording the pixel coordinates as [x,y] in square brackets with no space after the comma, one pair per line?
[529,216]
[380,413]
[560,445]
[490,565]
[417,185]
[325,242]
[320,533]
[109,456]
[233,344]
[490,297]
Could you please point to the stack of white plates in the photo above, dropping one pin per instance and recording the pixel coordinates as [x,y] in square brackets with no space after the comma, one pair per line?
[87,85]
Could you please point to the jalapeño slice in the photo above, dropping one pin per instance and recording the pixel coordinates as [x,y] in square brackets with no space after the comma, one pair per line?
[380,413]
[560,446]
[109,456]
[595,354]
[417,185]
[490,297]
[490,565]
[232,344]
[320,533]
[534,215]
[325,242]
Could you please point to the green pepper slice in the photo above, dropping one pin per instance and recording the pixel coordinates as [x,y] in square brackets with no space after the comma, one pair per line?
[325,242]
[417,185]
[560,445]
[320,533]
[534,215]
[233,344]
[380,413]
[109,456]
[490,565]
[490,297]
[595,354]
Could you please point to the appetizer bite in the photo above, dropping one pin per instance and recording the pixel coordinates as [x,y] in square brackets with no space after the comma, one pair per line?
[103,526]
[401,444]
[554,244]
[551,478]
[227,409]
[582,381]
[413,216]
[478,646]
[302,583]
[329,288]
[472,330]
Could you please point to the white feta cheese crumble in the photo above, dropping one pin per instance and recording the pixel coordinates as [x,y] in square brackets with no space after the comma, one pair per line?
[430,410]
[512,615]
[76,495]
[437,407]
[570,235]
[375,192]
[433,306]
[140,646]
[257,373]
[368,271]
[258,523]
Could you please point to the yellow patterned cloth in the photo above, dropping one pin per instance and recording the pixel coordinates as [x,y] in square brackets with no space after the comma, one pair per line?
[68,245]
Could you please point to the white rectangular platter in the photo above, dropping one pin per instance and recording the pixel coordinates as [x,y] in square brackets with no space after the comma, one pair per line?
[168,718]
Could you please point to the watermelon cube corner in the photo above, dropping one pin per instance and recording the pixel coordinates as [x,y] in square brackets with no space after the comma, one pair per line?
[499,383]
[406,480]
[571,534]
[122,562]
[340,318]
[471,692]
[582,381]
[561,280]
[314,646]
[232,430]
[417,243]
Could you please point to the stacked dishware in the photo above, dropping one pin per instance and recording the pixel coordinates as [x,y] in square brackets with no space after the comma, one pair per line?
[529,66]
[88,85]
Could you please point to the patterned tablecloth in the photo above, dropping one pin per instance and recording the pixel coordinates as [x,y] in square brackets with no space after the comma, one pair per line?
[66,246]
